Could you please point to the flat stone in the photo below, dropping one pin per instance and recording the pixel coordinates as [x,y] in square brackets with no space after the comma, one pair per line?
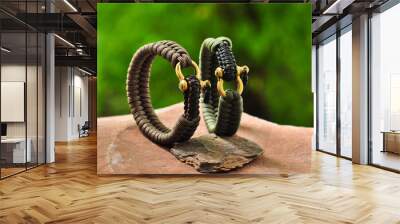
[212,154]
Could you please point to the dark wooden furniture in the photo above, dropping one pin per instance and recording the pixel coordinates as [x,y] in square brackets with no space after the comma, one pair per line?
[391,141]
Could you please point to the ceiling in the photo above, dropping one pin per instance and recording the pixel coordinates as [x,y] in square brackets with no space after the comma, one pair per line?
[329,15]
[74,22]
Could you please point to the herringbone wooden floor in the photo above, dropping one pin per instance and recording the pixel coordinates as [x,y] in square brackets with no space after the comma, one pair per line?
[69,191]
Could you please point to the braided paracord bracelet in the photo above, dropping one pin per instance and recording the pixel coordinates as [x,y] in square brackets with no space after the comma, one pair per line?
[222,110]
[139,95]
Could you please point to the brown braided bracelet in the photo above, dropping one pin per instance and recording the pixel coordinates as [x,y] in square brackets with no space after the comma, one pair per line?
[139,94]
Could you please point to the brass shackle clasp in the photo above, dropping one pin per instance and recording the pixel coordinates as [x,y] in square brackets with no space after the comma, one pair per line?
[219,73]
[183,86]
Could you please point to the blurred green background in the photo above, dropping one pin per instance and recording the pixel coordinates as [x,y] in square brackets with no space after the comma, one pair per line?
[274,40]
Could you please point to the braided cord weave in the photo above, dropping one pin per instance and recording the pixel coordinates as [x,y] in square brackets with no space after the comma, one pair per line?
[221,114]
[139,95]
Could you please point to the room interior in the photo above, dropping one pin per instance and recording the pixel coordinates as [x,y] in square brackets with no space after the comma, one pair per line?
[355,160]
[22,101]
[336,44]
[385,75]
[43,100]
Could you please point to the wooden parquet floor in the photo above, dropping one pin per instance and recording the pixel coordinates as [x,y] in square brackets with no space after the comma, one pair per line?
[69,191]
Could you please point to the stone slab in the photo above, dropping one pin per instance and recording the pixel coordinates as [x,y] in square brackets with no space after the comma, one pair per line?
[212,154]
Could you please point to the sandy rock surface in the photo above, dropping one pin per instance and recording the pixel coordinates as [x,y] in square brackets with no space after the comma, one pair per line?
[122,149]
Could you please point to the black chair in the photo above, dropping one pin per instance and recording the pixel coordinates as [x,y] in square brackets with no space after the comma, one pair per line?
[84,130]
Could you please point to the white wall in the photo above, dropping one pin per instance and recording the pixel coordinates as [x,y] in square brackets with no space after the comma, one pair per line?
[71,102]
[33,126]
[13,100]
[62,81]
[16,73]
[12,73]
[80,110]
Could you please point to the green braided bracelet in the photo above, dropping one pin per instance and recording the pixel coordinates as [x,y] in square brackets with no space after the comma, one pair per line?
[222,110]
